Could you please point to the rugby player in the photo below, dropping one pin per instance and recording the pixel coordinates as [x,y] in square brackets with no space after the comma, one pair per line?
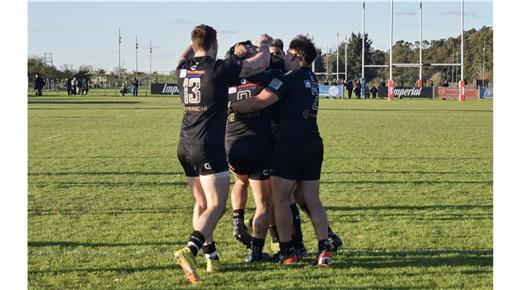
[298,154]
[249,145]
[203,81]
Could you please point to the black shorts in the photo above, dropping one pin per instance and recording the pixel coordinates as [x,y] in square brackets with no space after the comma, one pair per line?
[250,156]
[298,159]
[197,159]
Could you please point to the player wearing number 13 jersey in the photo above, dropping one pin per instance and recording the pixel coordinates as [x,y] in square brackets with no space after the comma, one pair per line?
[203,81]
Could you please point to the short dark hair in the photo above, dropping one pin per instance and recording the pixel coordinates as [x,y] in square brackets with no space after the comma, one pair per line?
[203,36]
[305,48]
[277,42]
[231,50]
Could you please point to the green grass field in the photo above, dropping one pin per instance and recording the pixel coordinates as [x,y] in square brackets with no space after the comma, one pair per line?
[407,184]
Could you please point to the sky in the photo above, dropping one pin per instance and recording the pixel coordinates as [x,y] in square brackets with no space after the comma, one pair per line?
[86,33]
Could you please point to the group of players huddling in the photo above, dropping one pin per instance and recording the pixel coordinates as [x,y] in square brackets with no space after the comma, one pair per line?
[254,113]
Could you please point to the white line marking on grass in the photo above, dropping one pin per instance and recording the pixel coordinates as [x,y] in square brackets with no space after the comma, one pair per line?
[51,137]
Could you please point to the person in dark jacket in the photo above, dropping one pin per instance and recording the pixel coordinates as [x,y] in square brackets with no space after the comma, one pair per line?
[373,91]
[38,84]
[349,87]
[68,86]
[357,89]
[86,86]
[135,87]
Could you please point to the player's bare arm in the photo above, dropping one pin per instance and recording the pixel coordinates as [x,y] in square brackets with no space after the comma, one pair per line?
[260,61]
[188,52]
[264,99]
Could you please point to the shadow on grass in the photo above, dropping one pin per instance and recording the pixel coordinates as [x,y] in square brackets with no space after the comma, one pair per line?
[401,110]
[101,244]
[418,182]
[112,212]
[111,108]
[104,173]
[82,102]
[411,207]
[372,259]
[111,184]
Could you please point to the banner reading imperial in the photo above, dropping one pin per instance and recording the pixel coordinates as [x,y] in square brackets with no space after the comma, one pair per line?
[407,92]
[165,89]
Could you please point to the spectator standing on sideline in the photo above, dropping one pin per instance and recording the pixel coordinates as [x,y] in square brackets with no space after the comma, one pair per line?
[68,86]
[86,86]
[349,87]
[79,86]
[357,89]
[382,83]
[373,91]
[123,88]
[74,84]
[38,84]
[135,86]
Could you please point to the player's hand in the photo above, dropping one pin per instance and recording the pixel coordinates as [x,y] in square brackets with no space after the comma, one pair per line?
[240,51]
[264,38]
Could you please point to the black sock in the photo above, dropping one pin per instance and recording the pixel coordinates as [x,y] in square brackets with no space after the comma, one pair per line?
[274,234]
[297,227]
[210,251]
[330,233]
[238,214]
[286,248]
[257,245]
[323,245]
[195,242]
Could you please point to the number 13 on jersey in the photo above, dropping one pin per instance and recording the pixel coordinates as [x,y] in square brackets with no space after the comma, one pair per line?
[191,88]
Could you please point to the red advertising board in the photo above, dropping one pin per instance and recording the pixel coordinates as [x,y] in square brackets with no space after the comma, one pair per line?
[450,93]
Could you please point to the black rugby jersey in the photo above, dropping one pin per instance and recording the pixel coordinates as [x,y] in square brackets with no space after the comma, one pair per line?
[298,106]
[254,124]
[203,88]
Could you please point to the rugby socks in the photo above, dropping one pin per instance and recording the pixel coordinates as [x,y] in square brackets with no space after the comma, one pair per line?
[274,234]
[286,249]
[297,235]
[257,245]
[324,245]
[210,251]
[195,242]
[238,214]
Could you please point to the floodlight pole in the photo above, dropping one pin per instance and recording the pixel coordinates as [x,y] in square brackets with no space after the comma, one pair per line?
[391,65]
[420,49]
[337,60]
[150,67]
[119,53]
[363,53]
[136,47]
[346,60]
[462,96]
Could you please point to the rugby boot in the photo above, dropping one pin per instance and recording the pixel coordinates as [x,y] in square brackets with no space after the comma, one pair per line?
[324,259]
[254,256]
[213,265]
[185,258]
[240,233]
[335,242]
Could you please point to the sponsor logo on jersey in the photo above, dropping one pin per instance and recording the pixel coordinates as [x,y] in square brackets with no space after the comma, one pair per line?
[183,73]
[308,114]
[275,84]
[193,67]
[307,83]
[232,90]
[243,81]
[195,73]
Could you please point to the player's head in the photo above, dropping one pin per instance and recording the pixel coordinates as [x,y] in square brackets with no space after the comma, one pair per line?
[276,47]
[204,38]
[243,50]
[301,53]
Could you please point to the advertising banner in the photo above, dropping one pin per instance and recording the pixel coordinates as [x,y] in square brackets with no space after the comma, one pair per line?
[450,93]
[407,92]
[331,91]
[165,89]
